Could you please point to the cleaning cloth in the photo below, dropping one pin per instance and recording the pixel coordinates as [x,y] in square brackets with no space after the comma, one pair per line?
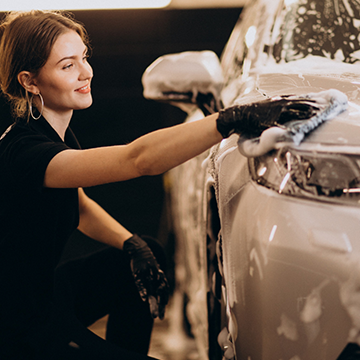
[327,104]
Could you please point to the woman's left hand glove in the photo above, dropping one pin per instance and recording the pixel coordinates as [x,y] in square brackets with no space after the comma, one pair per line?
[150,280]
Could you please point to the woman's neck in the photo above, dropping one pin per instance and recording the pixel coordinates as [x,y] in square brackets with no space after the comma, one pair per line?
[59,122]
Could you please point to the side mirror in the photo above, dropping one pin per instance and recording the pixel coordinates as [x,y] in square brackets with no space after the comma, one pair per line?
[186,79]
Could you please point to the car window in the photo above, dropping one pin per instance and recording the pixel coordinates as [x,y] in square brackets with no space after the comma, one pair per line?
[245,42]
[320,28]
[289,30]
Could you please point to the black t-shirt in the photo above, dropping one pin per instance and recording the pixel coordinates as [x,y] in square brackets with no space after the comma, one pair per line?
[35,222]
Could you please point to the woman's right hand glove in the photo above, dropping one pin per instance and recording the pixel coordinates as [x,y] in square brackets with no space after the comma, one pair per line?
[252,119]
[149,279]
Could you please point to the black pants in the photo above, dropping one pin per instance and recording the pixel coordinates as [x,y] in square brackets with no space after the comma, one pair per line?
[86,289]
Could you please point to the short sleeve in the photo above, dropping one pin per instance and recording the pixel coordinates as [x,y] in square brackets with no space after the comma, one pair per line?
[27,157]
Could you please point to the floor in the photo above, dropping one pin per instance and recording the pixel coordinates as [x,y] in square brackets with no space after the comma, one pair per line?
[168,345]
[169,342]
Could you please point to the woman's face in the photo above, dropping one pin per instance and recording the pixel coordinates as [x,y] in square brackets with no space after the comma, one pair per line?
[64,81]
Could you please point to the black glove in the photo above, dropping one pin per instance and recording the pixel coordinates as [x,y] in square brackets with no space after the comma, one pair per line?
[253,119]
[150,280]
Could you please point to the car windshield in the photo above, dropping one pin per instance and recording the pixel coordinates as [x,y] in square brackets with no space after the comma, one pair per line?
[328,28]
[282,31]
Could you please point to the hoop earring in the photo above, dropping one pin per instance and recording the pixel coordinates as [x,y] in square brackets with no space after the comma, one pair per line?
[42,107]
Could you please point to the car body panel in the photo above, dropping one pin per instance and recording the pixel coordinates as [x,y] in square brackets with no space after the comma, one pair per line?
[277,265]
[281,253]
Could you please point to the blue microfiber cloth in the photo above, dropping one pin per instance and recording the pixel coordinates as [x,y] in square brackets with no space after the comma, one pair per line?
[328,103]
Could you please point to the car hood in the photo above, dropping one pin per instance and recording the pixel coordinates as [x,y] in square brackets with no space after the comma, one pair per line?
[343,130]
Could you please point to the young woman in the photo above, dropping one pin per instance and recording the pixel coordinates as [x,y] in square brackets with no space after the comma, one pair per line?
[45,308]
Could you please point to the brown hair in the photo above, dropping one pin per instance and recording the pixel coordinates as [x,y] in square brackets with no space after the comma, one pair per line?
[26,42]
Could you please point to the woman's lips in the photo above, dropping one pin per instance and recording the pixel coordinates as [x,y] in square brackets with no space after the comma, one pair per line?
[84,90]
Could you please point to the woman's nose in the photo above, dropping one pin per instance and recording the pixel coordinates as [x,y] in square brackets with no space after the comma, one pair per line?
[86,71]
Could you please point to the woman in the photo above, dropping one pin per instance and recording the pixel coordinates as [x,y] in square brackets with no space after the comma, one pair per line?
[45,74]
[44,308]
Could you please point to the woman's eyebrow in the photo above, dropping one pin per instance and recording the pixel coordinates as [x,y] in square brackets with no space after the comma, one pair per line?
[72,57]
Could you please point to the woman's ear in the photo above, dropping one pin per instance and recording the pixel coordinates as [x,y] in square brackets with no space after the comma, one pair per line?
[28,82]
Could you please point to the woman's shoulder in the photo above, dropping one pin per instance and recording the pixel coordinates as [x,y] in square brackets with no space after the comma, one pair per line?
[19,126]
[14,130]
[24,131]
[22,140]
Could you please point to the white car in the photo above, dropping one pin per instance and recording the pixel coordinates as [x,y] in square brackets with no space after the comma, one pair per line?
[269,245]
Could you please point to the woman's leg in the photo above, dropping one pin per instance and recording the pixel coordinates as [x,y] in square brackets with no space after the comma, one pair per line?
[106,286]
[102,283]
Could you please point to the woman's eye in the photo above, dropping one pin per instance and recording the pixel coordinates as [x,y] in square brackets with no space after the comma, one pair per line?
[67,66]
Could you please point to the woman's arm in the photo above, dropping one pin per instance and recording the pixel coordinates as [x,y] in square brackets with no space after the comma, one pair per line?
[149,278]
[96,223]
[150,154]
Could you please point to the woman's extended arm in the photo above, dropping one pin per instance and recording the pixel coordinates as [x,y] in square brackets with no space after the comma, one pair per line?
[150,154]
[164,149]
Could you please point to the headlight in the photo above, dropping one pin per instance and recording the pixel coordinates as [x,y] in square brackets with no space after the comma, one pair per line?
[315,175]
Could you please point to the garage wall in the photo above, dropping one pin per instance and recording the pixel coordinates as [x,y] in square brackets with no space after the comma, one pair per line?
[124,44]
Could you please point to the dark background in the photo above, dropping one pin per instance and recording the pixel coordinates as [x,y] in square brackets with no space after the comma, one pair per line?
[124,43]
